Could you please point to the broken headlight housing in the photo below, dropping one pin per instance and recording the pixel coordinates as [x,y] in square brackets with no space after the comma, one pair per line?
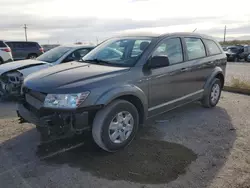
[65,100]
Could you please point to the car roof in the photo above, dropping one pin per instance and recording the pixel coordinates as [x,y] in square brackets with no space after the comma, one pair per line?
[79,46]
[21,41]
[157,35]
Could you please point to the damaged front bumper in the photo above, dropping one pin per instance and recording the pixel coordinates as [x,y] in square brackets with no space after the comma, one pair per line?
[52,123]
[10,84]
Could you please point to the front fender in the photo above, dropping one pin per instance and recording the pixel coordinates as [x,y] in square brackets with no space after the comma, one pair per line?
[120,91]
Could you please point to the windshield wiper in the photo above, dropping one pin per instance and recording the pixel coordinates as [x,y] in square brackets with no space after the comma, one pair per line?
[99,61]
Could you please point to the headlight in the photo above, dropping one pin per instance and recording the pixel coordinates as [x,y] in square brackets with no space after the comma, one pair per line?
[65,100]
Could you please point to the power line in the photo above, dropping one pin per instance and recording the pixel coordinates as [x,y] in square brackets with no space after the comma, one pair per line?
[25,31]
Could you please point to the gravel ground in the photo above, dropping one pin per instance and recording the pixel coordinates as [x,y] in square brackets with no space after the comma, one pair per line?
[189,147]
[237,70]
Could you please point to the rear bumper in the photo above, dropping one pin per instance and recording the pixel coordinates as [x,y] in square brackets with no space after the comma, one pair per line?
[54,125]
[9,60]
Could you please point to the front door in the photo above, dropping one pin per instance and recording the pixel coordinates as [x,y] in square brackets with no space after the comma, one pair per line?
[170,85]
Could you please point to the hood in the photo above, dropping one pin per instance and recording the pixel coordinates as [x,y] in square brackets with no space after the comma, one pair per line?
[29,70]
[19,65]
[52,79]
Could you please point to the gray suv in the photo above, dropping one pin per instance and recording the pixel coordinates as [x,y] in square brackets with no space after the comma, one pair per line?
[120,84]
[25,50]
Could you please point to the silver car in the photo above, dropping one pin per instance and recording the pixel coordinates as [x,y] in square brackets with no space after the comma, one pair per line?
[13,74]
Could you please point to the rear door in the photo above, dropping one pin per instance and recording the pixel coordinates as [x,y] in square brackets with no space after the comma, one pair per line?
[168,85]
[199,64]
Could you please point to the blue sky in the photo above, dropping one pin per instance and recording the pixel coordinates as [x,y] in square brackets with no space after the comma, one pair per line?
[67,21]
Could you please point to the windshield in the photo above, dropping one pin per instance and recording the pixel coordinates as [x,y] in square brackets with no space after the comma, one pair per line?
[54,54]
[118,52]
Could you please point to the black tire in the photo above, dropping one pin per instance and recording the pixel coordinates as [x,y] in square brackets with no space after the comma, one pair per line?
[1,61]
[32,56]
[102,120]
[207,101]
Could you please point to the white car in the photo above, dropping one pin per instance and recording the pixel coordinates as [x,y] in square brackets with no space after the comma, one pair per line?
[13,74]
[5,53]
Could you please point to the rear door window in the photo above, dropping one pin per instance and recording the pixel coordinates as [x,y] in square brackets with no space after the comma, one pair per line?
[195,48]
[212,47]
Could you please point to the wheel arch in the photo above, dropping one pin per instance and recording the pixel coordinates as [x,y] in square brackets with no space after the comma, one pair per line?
[217,73]
[130,93]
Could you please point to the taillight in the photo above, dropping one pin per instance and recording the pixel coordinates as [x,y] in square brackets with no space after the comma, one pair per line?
[41,50]
[6,49]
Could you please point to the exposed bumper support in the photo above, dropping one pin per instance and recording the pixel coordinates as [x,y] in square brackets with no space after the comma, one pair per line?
[56,125]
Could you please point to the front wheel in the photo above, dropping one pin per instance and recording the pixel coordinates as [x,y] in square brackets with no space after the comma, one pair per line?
[213,95]
[115,126]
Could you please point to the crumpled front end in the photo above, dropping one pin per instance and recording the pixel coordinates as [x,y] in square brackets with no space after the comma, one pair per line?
[52,123]
[10,83]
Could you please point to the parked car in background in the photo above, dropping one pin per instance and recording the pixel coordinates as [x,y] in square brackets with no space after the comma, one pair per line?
[12,74]
[248,58]
[246,51]
[234,53]
[5,53]
[113,92]
[25,50]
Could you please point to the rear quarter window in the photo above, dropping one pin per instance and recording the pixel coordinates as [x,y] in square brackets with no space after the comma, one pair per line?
[212,47]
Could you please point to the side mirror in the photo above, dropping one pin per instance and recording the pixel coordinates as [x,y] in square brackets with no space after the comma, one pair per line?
[158,61]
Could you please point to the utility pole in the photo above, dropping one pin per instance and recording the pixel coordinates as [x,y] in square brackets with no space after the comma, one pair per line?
[25,30]
[225,32]
[194,30]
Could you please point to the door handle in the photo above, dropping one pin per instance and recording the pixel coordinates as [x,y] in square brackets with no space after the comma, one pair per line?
[210,63]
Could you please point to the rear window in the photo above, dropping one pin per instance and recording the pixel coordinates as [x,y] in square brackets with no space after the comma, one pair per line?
[2,45]
[213,49]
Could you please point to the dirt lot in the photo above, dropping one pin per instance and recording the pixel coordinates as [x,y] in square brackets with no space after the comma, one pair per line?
[188,147]
[237,70]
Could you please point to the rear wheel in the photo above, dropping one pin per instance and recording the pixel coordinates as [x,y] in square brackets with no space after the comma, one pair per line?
[115,126]
[1,61]
[213,95]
